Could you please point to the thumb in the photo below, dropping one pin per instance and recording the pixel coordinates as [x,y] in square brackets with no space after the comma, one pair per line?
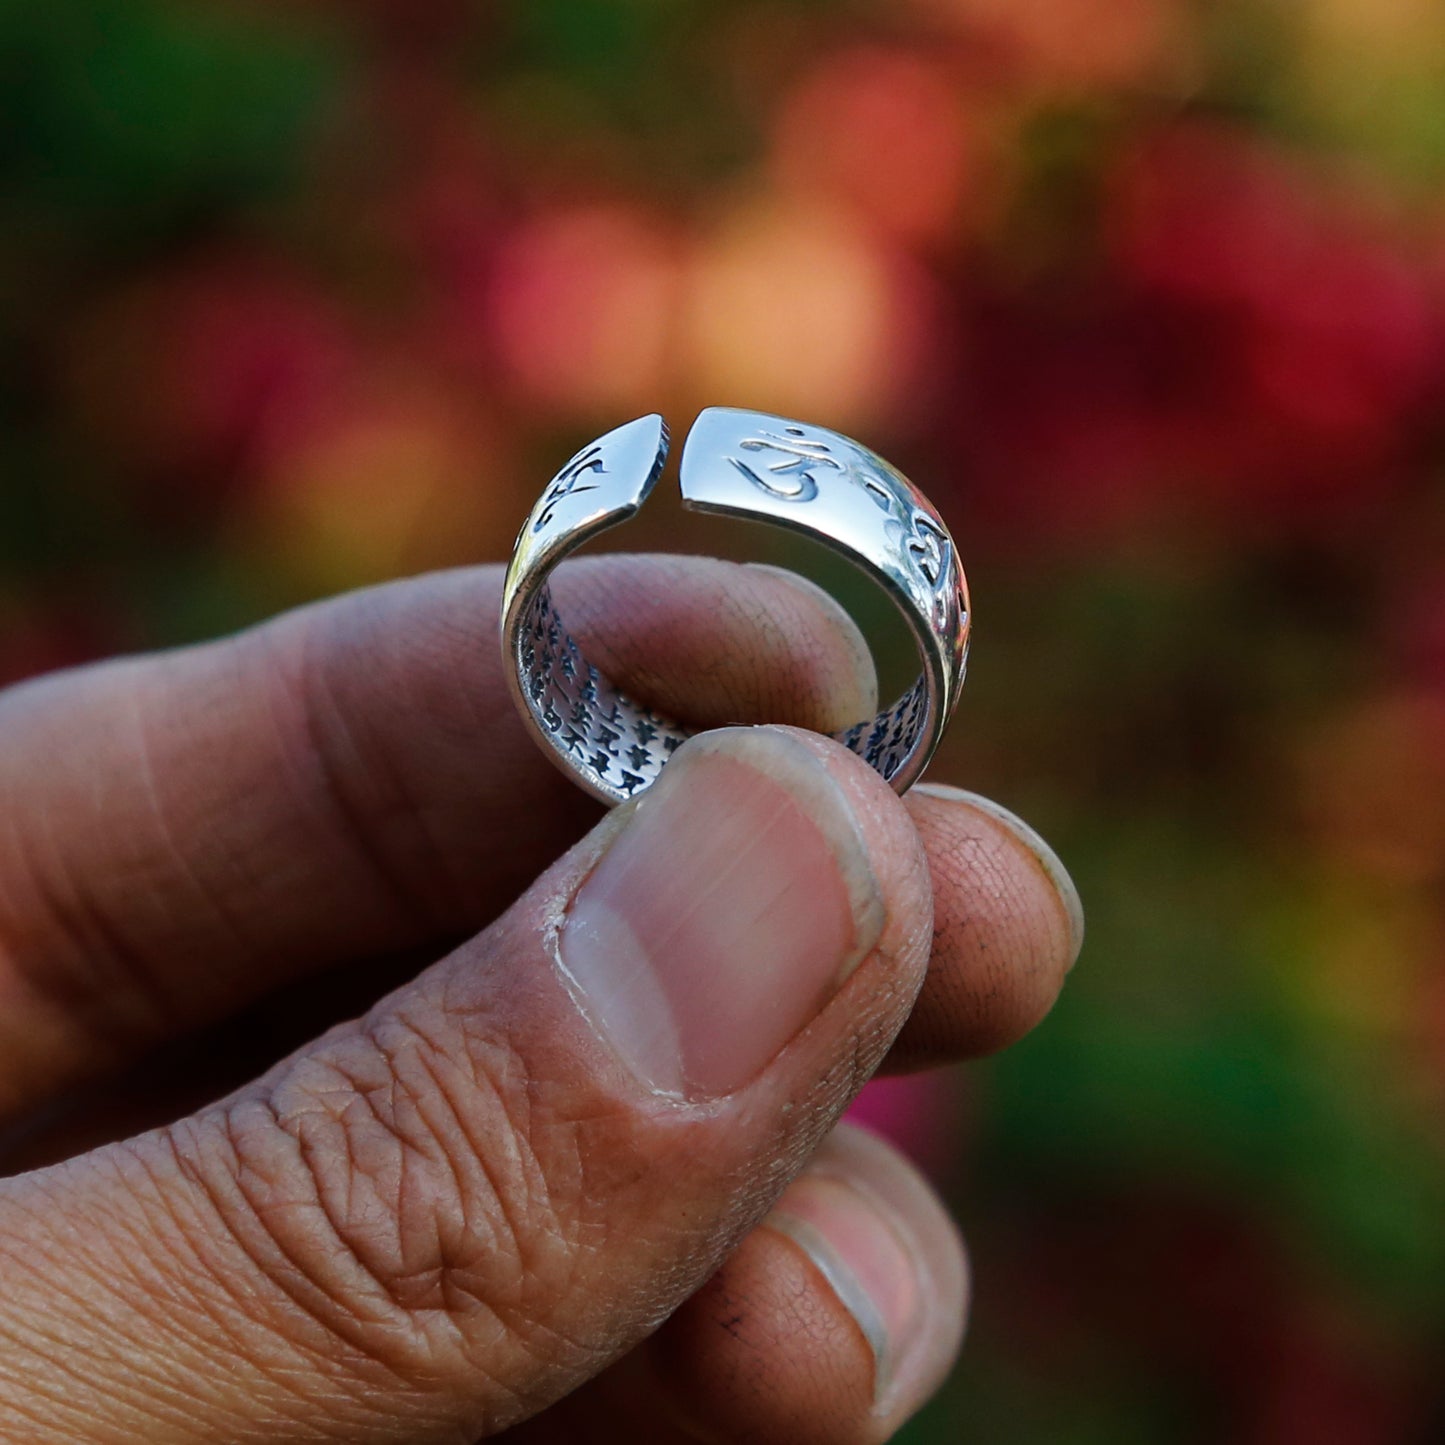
[442,1217]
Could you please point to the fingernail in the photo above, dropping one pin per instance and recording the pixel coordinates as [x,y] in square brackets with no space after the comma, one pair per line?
[730,906]
[1049,861]
[861,1244]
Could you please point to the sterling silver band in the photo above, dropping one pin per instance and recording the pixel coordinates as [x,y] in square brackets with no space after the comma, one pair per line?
[764,468]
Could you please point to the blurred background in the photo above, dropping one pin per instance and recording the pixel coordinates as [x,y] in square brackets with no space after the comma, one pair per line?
[1148,295]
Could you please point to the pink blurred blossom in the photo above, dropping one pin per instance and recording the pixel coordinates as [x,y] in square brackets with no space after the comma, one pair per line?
[925,1115]
[580,306]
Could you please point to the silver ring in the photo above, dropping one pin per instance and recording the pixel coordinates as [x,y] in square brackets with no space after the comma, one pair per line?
[742,464]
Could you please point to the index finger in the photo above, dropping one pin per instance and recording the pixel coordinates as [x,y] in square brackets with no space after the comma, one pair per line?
[183,833]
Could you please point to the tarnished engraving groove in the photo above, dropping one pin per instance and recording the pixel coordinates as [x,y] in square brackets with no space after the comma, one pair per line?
[622,744]
[927,545]
[750,465]
[568,482]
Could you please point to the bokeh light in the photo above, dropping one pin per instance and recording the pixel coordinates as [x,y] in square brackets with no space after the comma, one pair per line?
[1148,295]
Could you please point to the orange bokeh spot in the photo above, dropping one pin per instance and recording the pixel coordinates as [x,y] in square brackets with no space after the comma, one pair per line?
[1407,33]
[1072,44]
[886,133]
[399,478]
[1372,784]
[794,309]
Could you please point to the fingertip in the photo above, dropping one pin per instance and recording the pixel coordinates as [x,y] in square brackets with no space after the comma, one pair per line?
[717,642]
[1035,845]
[1008,926]
[835,1320]
[877,1233]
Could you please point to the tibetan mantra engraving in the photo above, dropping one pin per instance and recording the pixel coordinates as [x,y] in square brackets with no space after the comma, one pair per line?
[763,468]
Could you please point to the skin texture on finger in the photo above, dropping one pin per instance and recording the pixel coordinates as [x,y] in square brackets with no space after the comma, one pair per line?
[1008,927]
[782,1345]
[784,619]
[182,833]
[440,1219]
[1008,924]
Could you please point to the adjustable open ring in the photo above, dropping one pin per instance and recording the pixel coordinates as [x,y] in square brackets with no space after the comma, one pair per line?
[763,468]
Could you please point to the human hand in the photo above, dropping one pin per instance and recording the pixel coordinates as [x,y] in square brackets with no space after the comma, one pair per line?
[579,1179]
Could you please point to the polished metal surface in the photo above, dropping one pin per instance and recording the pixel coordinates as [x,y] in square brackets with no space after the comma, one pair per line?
[765,469]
